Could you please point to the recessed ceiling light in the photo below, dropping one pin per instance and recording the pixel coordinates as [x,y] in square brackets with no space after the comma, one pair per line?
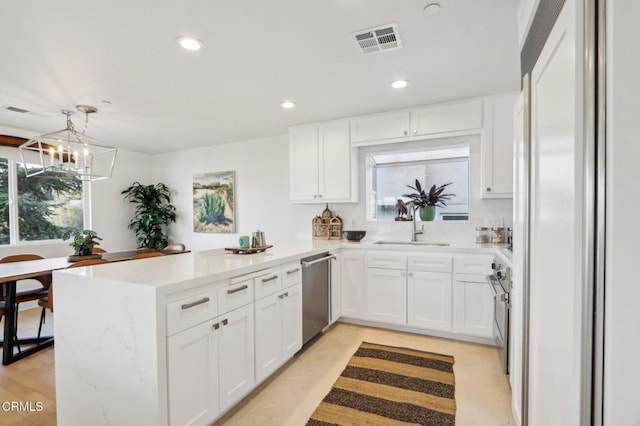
[399,84]
[189,43]
[288,104]
[431,9]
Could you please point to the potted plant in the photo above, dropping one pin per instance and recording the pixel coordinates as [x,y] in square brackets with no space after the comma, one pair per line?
[428,201]
[153,213]
[82,241]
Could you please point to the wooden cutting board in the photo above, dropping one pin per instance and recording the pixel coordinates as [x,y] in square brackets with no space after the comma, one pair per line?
[250,250]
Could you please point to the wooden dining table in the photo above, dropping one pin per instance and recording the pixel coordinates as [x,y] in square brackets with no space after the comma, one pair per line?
[11,273]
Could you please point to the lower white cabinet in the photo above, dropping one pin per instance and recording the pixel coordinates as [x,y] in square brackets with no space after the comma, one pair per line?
[236,356]
[429,300]
[473,306]
[210,367]
[193,375]
[278,329]
[336,287]
[386,295]
[352,272]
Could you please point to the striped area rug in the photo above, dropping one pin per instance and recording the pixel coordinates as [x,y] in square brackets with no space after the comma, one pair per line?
[386,385]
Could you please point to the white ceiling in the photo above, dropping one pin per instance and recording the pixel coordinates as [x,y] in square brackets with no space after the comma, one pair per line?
[256,53]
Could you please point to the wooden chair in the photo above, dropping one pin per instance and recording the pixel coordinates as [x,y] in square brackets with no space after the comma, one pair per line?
[28,295]
[47,302]
[175,247]
[98,250]
[148,254]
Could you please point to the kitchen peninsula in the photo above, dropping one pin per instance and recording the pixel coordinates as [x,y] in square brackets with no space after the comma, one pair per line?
[130,336]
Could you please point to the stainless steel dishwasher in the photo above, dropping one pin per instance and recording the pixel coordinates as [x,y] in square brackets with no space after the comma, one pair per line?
[316,284]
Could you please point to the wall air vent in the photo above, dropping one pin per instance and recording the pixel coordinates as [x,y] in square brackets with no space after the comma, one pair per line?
[378,39]
[16,109]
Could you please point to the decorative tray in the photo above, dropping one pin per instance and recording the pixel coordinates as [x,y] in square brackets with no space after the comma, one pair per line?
[250,250]
[76,258]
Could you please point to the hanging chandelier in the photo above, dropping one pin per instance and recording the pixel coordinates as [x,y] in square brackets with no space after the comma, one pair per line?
[69,151]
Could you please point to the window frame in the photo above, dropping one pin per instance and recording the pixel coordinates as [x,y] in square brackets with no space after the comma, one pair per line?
[12,155]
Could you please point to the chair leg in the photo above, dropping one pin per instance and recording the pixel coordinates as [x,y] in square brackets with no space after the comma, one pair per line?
[42,318]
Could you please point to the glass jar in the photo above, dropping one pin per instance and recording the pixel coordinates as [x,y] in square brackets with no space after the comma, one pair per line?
[497,235]
[482,235]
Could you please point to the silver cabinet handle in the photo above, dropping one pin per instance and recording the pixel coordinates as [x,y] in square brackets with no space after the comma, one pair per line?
[196,303]
[488,189]
[319,195]
[286,294]
[315,196]
[281,296]
[235,290]
[293,271]
[411,274]
[313,262]
[225,321]
[271,278]
[216,326]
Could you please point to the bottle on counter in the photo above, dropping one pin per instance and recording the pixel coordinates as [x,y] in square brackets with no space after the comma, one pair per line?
[482,235]
[497,235]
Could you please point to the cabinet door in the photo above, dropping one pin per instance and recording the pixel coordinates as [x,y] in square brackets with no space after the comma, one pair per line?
[473,308]
[429,300]
[268,327]
[452,117]
[236,355]
[291,304]
[334,168]
[497,146]
[352,266]
[303,163]
[192,359]
[380,127]
[386,296]
[336,287]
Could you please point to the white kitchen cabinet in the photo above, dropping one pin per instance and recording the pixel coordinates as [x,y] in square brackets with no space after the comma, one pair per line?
[278,324]
[192,357]
[380,127]
[236,355]
[336,287]
[386,295]
[352,272]
[429,300]
[320,163]
[443,118]
[497,146]
[473,306]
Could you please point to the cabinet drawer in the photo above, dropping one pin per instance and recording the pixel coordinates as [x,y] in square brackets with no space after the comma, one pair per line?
[386,260]
[267,284]
[429,263]
[473,265]
[190,311]
[235,295]
[291,274]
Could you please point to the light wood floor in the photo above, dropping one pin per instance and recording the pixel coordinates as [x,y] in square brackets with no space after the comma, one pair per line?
[290,396]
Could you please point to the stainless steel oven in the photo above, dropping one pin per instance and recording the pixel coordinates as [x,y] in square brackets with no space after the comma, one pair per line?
[500,284]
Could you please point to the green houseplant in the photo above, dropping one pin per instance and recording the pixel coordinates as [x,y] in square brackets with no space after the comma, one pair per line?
[153,213]
[82,241]
[428,201]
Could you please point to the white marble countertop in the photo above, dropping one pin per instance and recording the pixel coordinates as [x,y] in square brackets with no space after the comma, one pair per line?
[173,273]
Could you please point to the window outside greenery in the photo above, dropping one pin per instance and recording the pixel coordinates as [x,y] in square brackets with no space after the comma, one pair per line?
[48,204]
[389,173]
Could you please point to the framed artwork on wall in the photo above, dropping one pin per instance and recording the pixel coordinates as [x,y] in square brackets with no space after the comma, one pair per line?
[213,202]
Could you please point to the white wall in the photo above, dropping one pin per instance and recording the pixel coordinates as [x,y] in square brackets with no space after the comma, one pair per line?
[261,195]
[622,315]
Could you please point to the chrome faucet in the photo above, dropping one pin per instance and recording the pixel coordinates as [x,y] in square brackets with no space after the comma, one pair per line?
[415,232]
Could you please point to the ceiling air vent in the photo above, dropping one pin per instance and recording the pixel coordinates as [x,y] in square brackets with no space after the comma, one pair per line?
[378,39]
[16,109]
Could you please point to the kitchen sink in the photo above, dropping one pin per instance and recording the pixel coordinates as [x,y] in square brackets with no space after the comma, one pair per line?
[412,243]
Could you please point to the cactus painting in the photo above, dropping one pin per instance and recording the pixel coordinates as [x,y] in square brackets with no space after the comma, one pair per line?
[213,202]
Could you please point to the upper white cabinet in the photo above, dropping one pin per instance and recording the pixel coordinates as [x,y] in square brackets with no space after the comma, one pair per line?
[399,126]
[497,146]
[380,127]
[453,117]
[320,163]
